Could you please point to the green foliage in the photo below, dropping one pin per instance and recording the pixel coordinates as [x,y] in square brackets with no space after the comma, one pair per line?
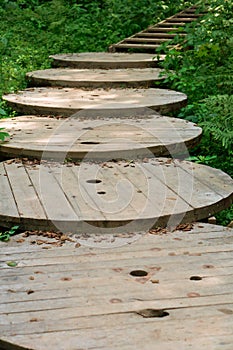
[32,30]
[5,236]
[205,65]
[216,117]
[203,69]
[3,135]
[202,159]
[225,216]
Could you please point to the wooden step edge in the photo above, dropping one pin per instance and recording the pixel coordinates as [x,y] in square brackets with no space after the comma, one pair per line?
[170,30]
[145,40]
[158,35]
[181,19]
[134,46]
[170,24]
[98,64]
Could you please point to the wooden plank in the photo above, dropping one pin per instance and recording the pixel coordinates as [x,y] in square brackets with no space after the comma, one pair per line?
[174,241]
[135,46]
[110,261]
[208,237]
[170,24]
[129,321]
[191,188]
[158,199]
[213,178]
[131,291]
[171,30]
[8,207]
[27,200]
[146,40]
[176,285]
[110,195]
[16,293]
[103,341]
[73,188]
[157,35]
[181,19]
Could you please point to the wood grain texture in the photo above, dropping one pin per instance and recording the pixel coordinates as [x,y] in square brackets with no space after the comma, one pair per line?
[114,195]
[68,101]
[104,60]
[74,298]
[99,138]
[96,78]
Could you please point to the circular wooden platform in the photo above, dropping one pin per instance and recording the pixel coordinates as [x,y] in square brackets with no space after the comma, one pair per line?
[68,101]
[105,60]
[124,195]
[163,292]
[96,78]
[100,138]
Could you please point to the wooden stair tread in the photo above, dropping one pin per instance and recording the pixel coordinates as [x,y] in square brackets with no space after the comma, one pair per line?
[156,35]
[86,297]
[105,78]
[146,40]
[162,30]
[135,46]
[67,101]
[99,138]
[104,60]
[57,278]
[128,195]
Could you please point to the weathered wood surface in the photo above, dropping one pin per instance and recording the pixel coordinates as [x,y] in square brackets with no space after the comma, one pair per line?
[141,40]
[68,101]
[105,60]
[96,78]
[98,138]
[84,298]
[115,195]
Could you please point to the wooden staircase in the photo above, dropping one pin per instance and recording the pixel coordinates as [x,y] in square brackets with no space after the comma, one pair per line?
[103,107]
[98,166]
[150,39]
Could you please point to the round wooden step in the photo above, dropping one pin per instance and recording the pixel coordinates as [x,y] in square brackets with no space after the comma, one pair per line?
[100,138]
[68,101]
[125,196]
[85,297]
[105,60]
[96,78]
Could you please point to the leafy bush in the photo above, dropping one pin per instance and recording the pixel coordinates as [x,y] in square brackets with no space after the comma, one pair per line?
[32,30]
[203,69]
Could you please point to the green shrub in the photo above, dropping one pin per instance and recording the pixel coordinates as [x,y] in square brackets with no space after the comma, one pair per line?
[203,69]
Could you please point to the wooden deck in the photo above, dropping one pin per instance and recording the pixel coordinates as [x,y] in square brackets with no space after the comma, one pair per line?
[96,78]
[68,101]
[122,195]
[99,138]
[165,291]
